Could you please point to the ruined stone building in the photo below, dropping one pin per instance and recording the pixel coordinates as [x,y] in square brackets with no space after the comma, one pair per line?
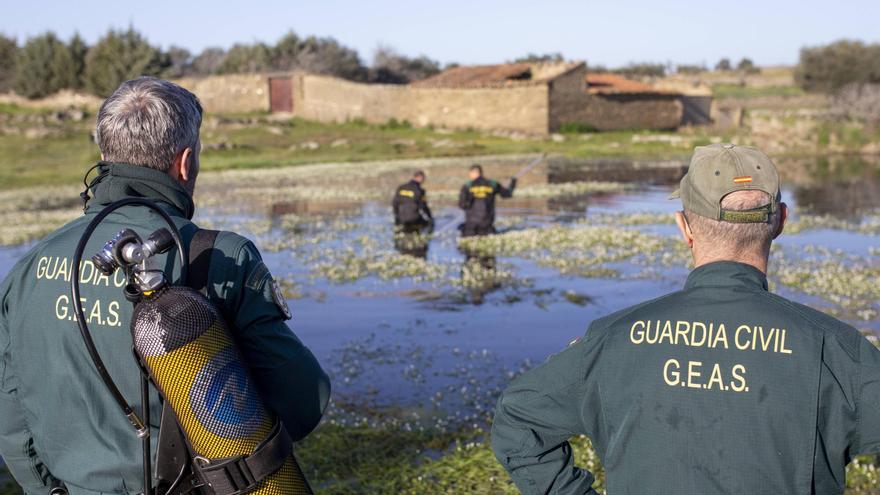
[520,97]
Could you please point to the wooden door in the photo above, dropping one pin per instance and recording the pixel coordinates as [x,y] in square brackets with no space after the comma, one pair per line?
[281,94]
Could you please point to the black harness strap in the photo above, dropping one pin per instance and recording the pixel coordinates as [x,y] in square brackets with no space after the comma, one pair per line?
[200,248]
[241,474]
[172,453]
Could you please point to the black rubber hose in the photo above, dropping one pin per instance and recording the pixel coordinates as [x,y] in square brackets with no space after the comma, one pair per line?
[142,430]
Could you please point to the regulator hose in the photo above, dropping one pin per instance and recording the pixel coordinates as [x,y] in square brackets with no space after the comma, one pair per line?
[142,427]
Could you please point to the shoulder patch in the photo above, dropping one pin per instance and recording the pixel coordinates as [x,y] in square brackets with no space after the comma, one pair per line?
[257,277]
[280,301]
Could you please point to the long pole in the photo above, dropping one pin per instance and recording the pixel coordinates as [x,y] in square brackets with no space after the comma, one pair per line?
[530,166]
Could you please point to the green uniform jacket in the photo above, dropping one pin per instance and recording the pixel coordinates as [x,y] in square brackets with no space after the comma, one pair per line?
[722,387]
[57,420]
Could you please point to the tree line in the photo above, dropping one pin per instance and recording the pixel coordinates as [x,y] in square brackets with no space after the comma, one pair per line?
[45,64]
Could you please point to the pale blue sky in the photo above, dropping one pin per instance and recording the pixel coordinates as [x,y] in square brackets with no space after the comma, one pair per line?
[610,32]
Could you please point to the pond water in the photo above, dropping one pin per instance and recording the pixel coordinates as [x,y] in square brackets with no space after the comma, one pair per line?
[434,340]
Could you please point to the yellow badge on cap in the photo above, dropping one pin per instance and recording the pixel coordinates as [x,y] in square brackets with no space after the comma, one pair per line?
[742,180]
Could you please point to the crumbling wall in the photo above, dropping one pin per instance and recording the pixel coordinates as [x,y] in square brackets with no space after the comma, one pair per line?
[518,108]
[234,93]
[623,112]
[528,108]
[570,103]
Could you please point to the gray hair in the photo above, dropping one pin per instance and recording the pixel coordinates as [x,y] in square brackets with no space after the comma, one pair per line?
[731,238]
[147,121]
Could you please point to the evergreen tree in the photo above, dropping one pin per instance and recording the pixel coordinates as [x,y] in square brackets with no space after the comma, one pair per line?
[209,61]
[43,66]
[118,57]
[246,59]
[8,53]
[78,50]
[830,67]
[285,52]
[391,67]
[181,63]
[724,65]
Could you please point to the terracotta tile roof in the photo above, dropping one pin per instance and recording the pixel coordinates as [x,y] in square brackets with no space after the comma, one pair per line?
[479,76]
[604,83]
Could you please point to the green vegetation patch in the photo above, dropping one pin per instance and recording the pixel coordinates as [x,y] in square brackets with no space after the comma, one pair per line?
[580,249]
[847,281]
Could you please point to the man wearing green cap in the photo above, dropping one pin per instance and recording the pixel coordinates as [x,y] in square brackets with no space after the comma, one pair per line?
[721,387]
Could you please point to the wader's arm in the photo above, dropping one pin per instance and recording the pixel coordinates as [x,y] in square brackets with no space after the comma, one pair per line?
[424,209]
[537,415]
[506,192]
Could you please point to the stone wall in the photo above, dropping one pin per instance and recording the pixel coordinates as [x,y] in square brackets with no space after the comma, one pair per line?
[529,108]
[625,112]
[570,103]
[517,108]
[568,98]
[234,93]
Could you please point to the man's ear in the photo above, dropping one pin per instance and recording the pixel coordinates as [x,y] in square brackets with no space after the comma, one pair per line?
[181,169]
[783,217]
[684,228]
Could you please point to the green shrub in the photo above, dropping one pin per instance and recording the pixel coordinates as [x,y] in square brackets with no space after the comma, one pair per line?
[642,70]
[576,128]
[747,66]
[689,69]
[246,59]
[78,51]
[724,65]
[397,124]
[831,67]
[43,66]
[118,57]
[8,53]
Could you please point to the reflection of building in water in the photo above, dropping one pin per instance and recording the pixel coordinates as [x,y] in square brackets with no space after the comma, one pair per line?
[841,186]
[658,172]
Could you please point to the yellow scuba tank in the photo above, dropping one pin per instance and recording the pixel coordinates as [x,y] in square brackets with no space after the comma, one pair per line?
[191,357]
[185,348]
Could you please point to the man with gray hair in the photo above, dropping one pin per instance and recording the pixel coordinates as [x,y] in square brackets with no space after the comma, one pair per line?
[722,387]
[60,429]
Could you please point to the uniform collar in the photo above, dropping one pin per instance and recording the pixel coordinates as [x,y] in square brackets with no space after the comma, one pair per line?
[120,180]
[727,274]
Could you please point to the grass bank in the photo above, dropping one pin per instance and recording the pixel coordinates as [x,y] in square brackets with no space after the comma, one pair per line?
[51,148]
[354,459]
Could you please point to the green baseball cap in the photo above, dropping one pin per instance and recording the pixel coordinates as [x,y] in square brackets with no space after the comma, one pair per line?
[720,169]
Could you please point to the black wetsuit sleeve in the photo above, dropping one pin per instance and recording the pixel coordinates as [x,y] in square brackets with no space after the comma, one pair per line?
[464,198]
[505,192]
